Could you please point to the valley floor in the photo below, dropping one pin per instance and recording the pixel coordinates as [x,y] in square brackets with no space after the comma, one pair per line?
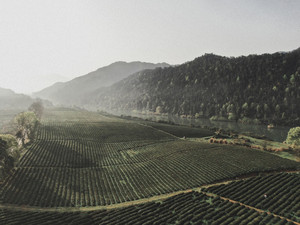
[87,168]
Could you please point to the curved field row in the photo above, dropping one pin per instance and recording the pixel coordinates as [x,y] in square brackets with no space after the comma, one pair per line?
[191,155]
[105,132]
[82,154]
[277,193]
[108,179]
[189,208]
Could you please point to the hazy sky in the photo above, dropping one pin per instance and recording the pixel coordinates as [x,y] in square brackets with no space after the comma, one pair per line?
[43,41]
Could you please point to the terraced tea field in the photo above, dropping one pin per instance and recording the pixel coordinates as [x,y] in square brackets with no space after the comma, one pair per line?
[187,208]
[82,159]
[277,193]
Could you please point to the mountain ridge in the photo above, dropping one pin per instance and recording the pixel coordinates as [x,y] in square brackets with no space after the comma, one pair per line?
[6,92]
[75,91]
[11,100]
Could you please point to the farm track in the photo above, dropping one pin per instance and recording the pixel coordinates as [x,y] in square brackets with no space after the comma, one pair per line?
[159,130]
[151,199]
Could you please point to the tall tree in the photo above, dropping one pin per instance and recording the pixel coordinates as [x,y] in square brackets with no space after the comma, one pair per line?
[37,108]
[27,123]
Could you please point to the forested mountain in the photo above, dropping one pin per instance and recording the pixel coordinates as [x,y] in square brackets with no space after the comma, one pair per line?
[263,87]
[11,100]
[78,90]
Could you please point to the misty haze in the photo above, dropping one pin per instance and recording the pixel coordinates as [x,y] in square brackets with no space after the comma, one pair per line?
[149,112]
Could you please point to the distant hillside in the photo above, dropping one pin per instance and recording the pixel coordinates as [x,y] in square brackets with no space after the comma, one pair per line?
[263,87]
[79,90]
[11,100]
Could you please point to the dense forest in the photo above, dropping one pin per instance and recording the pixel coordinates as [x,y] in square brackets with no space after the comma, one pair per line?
[255,88]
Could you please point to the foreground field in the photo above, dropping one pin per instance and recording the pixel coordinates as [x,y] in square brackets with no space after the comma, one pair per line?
[187,208]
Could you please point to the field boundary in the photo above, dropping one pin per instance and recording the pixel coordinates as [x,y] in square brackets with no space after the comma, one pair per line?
[154,128]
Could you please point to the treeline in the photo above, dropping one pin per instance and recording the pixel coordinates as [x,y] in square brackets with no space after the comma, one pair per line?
[11,145]
[263,88]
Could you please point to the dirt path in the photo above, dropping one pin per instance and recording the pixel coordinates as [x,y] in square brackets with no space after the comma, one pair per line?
[93,208]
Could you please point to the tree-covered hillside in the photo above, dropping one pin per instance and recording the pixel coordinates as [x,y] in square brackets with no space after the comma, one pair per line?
[264,87]
[9,100]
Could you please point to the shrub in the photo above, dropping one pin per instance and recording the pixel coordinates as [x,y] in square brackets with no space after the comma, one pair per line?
[9,154]
[10,140]
[293,136]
